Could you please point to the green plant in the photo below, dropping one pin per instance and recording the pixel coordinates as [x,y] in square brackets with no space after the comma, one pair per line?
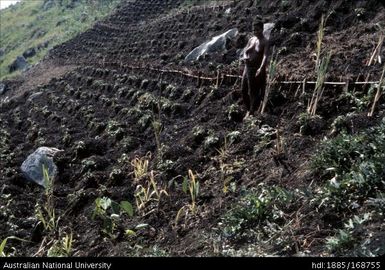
[190,185]
[344,239]
[256,209]
[251,210]
[357,100]
[100,210]
[46,214]
[271,78]
[321,67]
[352,167]
[4,243]
[62,248]
[320,36]
[109,212]
[233,111]
[133,232]
[280,144]
[223,155]
[378,202]
[318,90]
[67,242]
[150,193]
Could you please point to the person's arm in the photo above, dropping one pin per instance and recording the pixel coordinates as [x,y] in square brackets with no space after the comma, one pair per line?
[248,48]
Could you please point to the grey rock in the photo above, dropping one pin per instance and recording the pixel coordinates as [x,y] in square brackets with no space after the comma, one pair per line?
[38,33]
[3,88]
[219,43]
[32,167]
[48,4]
[267,28]
[2,52]
[42,45]
[34,95]
[216,44]
[29,53]
[19,64]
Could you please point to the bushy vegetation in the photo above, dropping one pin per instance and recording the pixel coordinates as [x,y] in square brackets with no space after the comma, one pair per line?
[257,222]
[353,171]
[353,166]
[350,172]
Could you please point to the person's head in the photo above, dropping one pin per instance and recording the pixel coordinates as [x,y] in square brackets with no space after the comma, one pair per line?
[258,28]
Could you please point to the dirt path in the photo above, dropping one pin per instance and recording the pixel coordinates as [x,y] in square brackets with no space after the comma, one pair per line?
[37,76]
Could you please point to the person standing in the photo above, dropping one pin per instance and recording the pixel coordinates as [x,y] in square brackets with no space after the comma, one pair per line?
[255,57]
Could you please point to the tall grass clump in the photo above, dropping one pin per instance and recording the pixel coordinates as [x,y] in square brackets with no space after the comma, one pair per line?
[271,78]
[46,213]
[191,186]
[322,63]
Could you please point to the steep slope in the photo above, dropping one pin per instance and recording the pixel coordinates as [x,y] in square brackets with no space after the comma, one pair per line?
[130,99]
[31,28]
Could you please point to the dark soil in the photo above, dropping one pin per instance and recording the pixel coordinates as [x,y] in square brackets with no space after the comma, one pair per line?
[88,112]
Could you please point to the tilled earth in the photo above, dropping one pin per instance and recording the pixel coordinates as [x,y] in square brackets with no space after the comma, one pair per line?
[102,114]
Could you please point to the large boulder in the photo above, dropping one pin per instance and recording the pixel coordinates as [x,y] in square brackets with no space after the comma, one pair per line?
[267,28]
[19,64]
[32,167]
[216,44]
[220,43]
[3,88]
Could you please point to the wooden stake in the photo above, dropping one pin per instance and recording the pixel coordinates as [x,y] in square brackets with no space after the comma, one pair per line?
[346,88]
[377,51]
[217,85]
[378,93]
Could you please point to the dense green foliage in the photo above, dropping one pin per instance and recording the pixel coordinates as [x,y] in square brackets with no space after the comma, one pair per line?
[354,167]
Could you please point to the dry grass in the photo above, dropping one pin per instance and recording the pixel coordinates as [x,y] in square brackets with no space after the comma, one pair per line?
[146,194]
[190,185]
[140,166]
[321,67]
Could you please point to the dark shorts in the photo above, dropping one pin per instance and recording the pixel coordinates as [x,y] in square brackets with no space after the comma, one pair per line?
[253,87]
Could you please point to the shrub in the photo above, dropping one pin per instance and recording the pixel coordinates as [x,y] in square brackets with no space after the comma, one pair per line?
[353,168]
[255,209]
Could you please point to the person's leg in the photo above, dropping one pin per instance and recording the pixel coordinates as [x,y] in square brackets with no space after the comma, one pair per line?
[263,88]
[253,91]
[245,90]
[259,92]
